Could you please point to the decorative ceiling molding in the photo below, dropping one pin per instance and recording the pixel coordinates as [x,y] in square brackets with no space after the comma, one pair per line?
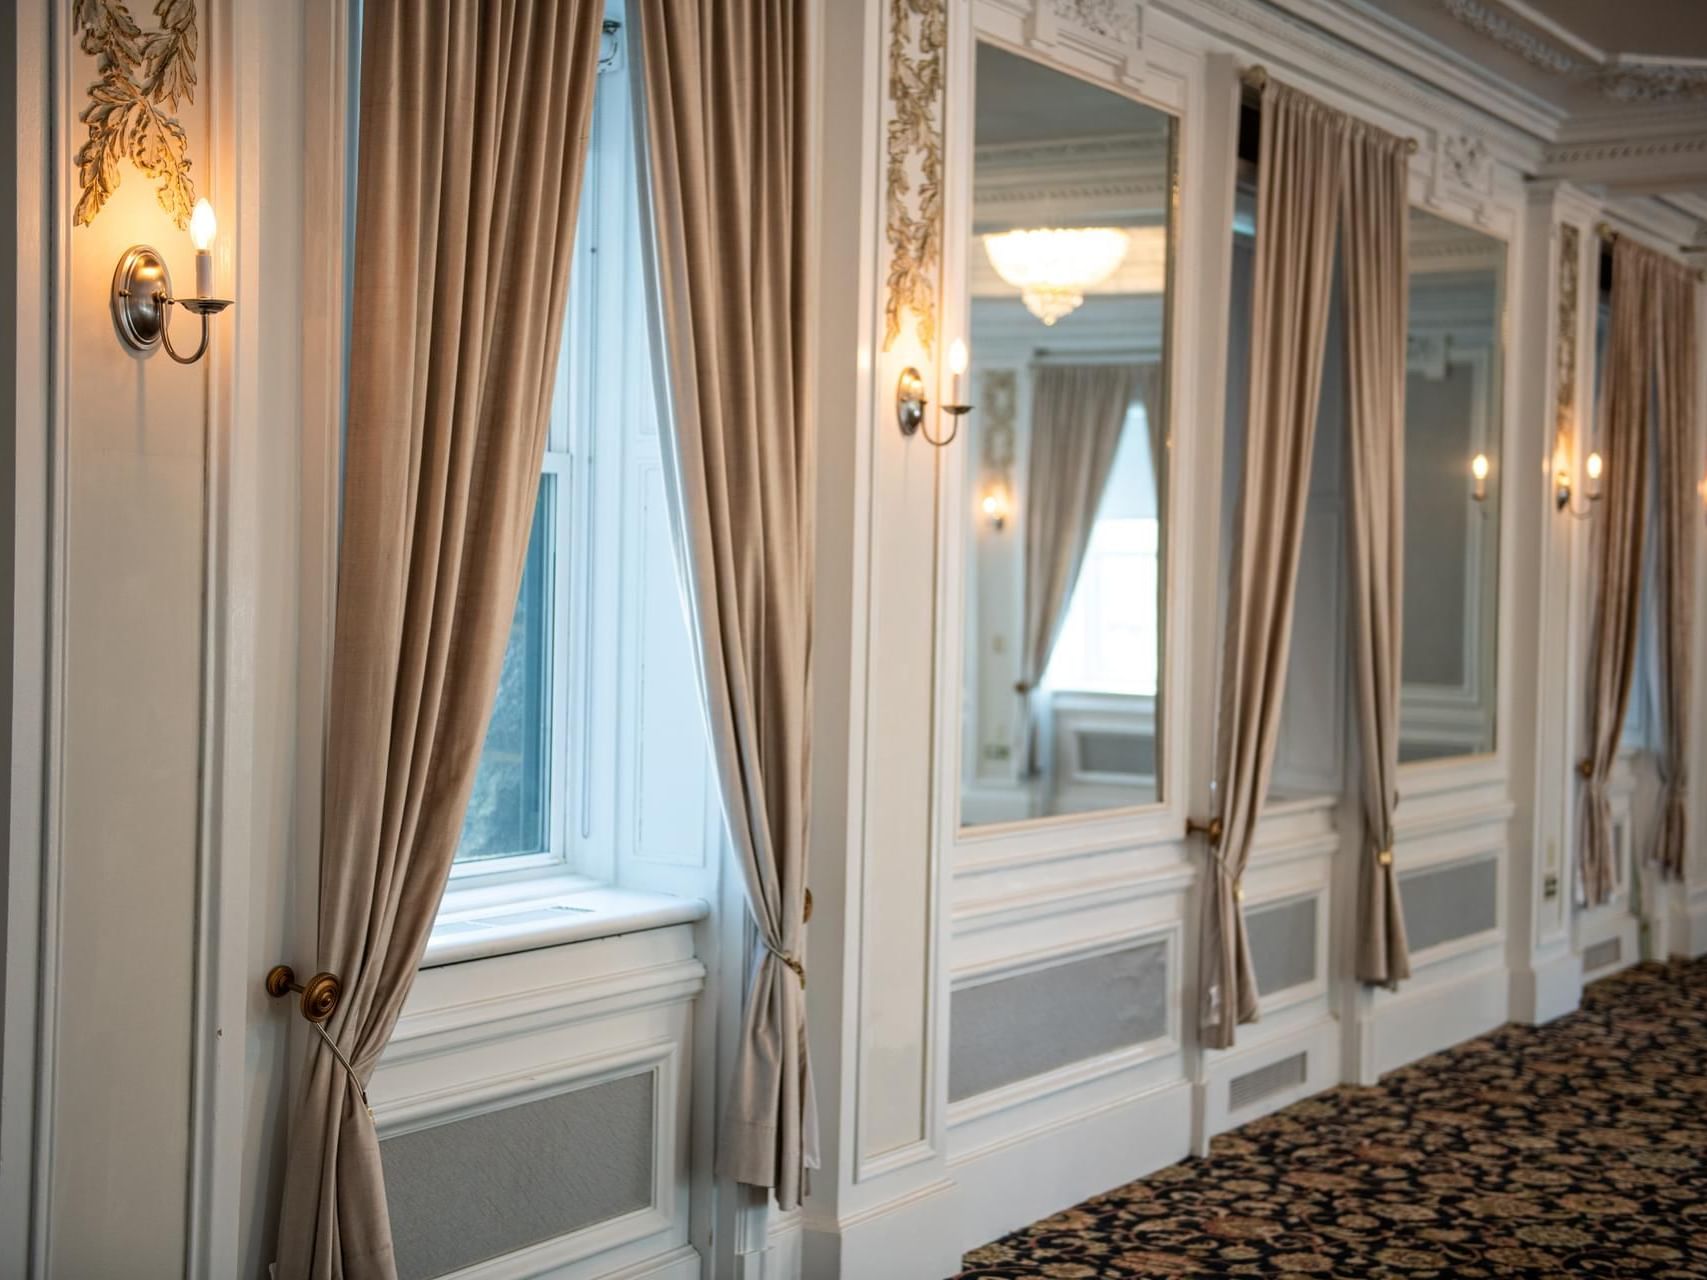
[1621,81]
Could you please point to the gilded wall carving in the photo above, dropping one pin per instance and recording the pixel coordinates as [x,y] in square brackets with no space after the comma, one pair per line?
[1570,270]
[918,33]
[143,77]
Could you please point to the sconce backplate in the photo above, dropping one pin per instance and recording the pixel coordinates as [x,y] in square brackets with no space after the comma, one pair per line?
[910,400]
[141,286]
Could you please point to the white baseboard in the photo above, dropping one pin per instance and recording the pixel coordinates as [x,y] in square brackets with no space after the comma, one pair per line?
[1426,1017]
[1317,1040]
[1689,938]
[1547,989]
[1014,1183]
[910,1238]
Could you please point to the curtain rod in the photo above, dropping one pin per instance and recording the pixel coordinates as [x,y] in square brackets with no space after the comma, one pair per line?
[1256,77]
[1609,234]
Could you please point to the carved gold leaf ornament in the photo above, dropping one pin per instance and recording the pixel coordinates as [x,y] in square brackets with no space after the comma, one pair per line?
[1565,411]
[143,76]
[918,34]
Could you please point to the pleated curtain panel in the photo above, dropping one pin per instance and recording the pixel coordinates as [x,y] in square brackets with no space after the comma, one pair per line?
[1626,411]
[1077,415]
[1317,170]
[1678,377]
[473,126]
[728,193]
[1374,232]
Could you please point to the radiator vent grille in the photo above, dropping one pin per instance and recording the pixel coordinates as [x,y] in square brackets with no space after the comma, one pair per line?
[1602,954]
[1252,1087]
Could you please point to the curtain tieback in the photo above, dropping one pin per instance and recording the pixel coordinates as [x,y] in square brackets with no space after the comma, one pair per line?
[1385,857]
[349,1068]
[791,960]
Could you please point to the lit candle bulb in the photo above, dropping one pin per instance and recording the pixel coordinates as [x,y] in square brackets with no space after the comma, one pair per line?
[1479,469]
[1594,466]
[957,358]
[203,227]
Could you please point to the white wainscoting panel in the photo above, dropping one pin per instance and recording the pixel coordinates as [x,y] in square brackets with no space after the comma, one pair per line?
[483,1036]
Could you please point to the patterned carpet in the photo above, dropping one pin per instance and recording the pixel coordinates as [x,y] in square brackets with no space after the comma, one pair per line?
[1575,1149]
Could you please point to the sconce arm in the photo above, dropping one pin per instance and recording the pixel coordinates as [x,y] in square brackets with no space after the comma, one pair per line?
[203,307]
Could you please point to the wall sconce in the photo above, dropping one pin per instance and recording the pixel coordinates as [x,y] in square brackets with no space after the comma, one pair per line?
[910,398]
[997,506]
[1479,471]
[142,290]
[1562,488]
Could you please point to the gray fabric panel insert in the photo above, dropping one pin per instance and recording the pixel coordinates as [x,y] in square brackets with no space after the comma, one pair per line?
[1452,902]
[491,1184]
[1023,1026]
[1106,751]
[1283,944]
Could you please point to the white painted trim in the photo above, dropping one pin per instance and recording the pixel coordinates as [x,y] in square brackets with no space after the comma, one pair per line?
[1427,1018]
[34,334]
[1318,1038]
[1033,1174]
[54,47]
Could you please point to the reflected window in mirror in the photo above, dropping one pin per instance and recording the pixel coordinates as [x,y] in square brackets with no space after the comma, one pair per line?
[1454,374]
[1068,264]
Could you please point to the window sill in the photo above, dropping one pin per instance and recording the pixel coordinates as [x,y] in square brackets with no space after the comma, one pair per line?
[481,920]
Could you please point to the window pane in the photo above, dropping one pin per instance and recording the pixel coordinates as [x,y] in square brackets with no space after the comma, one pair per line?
[509,811]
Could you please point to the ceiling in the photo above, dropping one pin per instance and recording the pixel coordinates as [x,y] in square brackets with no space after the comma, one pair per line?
[1575,55]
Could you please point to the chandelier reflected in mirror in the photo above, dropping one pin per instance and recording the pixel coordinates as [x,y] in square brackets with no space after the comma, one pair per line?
[1052,267]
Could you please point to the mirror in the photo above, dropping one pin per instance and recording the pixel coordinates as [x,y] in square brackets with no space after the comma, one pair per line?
[1067,456]
[1454,373]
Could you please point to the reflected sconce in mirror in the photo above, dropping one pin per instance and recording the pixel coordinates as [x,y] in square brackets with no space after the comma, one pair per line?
[1562,489]
[142,292]
[910,399]
[1479,472]
[997,506]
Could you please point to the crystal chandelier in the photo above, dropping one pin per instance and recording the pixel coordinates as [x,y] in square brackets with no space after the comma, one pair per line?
[1053,266]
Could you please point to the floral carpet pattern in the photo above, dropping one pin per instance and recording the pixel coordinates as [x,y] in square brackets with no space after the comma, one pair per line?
[1578,1149]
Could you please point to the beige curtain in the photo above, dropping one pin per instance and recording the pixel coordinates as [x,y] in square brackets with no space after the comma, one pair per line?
[729,195]
[1374,220]
[472,133]
[1678,356]
[1300,169]
[1077,414]
[1615,612]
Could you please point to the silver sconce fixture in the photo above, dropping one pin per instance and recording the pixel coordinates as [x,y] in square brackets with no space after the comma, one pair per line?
[910,400]
[142,292]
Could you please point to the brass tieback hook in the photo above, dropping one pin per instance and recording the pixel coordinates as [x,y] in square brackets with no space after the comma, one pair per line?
[319,994]
[1210,830]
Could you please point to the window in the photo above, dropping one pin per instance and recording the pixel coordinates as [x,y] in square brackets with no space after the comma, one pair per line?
[1109,641]
[594,765]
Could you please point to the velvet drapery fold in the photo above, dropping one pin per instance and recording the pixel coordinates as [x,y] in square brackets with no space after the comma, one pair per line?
[1626,415]
[473,129]
[730,261]
[1374,231]
[1300,169]
[1678,375]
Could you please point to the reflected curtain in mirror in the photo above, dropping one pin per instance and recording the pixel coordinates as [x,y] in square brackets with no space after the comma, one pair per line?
[1063,628]
[1078,416]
